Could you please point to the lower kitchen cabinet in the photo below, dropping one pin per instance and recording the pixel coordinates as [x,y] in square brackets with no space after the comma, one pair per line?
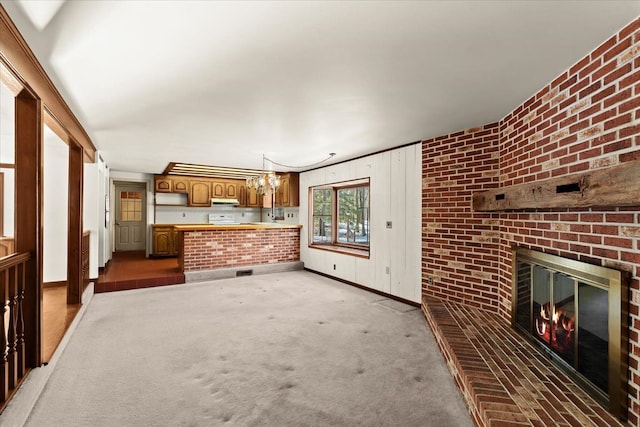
[164,240]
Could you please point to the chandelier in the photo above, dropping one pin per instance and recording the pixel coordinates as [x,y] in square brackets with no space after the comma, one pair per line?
[269,181]
[265,182]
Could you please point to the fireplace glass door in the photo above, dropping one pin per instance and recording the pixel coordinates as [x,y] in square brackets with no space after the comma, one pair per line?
[593,345]
[574,311]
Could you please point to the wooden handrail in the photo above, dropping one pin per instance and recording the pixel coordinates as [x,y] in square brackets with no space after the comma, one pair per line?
[13,270]
[13,260]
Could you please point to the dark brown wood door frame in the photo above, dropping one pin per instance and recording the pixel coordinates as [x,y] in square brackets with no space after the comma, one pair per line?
[74,242]
[28,215]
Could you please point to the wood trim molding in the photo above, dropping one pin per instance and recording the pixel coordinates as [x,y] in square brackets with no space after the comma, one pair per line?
[613,186]
[54,284]
[17,56]
[366,288]
[75,229]
[29,216]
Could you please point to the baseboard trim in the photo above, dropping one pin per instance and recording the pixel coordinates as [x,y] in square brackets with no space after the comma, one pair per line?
[375,291]
[54,284]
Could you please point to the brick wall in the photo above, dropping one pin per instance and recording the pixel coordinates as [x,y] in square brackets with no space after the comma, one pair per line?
[206,250]
[460,248]
[587,118]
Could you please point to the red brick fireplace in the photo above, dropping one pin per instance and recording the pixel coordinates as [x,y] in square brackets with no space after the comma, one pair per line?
[588,118]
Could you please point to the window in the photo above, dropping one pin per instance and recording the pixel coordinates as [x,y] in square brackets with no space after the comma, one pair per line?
[131,206]
[322,213]
[341,217]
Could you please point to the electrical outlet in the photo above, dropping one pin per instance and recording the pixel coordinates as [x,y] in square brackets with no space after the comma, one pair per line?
[389,224]
[387,270]
[430,280]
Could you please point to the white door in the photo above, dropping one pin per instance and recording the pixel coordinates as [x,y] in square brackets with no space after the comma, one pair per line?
[130,217]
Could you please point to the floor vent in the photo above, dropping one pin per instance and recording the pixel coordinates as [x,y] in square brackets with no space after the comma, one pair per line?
[244,273]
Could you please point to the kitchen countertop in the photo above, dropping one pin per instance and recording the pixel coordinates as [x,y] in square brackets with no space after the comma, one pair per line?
[243,226]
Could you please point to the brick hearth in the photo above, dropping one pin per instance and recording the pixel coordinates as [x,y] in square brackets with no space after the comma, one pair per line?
[504,379]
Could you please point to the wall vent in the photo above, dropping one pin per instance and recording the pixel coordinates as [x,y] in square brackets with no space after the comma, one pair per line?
[244,273]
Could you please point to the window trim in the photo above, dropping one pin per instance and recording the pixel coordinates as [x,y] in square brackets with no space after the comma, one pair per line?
[335,246]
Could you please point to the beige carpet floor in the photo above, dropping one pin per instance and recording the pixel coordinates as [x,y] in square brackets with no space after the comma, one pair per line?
[290,349]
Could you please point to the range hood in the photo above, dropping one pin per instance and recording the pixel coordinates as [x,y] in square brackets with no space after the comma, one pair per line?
[227,202]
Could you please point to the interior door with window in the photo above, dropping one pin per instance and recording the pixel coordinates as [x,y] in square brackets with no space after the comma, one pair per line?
[130,224]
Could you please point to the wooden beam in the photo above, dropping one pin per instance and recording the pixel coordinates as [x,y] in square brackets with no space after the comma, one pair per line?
[20,60]
[28,216]
[614,186]
[74,241]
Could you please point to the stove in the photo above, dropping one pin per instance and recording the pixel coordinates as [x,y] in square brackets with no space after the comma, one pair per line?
[222,219]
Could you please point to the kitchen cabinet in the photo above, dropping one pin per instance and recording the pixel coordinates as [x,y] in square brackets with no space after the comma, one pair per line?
[254,200]
[218,189]
[288,192]
[180,184]
[242,195]
[199,193]
[163,184]
[231,190]
[225,189]
[164,240]
[171,184]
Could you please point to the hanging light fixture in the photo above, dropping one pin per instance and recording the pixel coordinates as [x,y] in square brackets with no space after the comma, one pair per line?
[265,182]
[269,181]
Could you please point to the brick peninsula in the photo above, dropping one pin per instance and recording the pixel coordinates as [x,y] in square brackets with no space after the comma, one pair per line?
[208,251]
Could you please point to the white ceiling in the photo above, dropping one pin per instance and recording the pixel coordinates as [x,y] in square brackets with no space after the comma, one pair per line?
[221,83]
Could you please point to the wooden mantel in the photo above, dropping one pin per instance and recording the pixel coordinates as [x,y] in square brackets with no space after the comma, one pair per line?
[615,186]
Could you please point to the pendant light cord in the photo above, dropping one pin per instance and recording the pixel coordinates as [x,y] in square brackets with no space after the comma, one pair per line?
[298,167]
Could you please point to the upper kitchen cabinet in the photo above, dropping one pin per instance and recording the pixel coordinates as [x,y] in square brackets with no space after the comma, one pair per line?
[231,189]
[180,184]
[171,184]
[200,190]
[199,193]
[218,189]
[242,195]
[225,188]
[288,192]
[254,200]
[163,184]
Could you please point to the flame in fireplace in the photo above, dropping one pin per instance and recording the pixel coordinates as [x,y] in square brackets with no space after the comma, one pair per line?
[555,326]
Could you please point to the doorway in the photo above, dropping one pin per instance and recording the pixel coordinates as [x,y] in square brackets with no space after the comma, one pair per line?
[130,216]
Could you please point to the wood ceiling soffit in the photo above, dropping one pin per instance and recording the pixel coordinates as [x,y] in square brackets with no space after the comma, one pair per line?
[615,186]
[205,171]
[20,60]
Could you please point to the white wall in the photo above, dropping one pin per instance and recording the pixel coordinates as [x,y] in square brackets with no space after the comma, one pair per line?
[7,155]
[291,215]
[104,238]
[395,195]
[9,201]
[95,186]
[56,196]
